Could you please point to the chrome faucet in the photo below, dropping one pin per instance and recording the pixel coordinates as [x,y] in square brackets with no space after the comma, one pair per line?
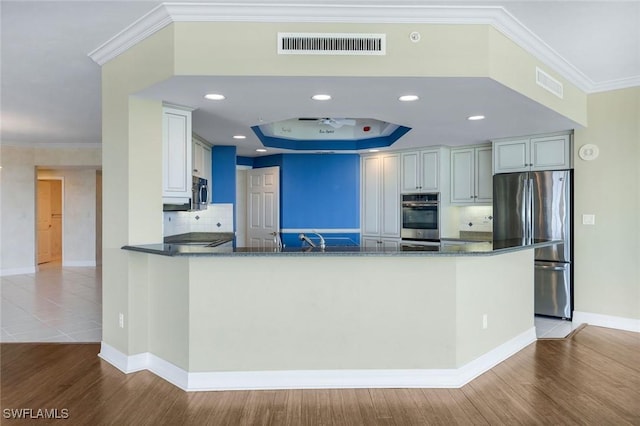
[306,239]
[323,245]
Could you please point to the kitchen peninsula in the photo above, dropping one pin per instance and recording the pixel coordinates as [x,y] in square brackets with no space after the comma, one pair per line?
[222,318]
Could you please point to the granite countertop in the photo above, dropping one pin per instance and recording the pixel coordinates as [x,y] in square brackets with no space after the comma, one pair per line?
[199,237]
[470,249]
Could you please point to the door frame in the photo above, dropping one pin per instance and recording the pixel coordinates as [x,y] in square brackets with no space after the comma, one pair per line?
[62,207]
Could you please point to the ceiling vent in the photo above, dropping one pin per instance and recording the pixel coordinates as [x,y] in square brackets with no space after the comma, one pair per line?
[331,44]
[549,83]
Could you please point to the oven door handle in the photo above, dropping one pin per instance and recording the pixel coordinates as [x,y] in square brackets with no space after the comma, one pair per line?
[419,204]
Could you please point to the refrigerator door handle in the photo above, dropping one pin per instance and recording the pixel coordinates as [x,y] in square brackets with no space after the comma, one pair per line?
[528,206]
[531,211]
[552,268]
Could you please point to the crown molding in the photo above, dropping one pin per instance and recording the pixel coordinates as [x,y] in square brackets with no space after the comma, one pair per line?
[496,16]
[622,83]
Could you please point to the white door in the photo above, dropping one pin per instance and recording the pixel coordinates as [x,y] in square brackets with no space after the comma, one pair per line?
[263,206]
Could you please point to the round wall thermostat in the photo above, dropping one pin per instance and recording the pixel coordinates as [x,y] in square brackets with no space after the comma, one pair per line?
[414,36]
[589,152]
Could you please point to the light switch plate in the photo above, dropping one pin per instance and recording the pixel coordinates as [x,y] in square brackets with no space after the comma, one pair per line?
[588,219]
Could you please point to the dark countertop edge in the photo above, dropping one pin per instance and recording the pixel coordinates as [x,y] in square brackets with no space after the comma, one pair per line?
[222,252]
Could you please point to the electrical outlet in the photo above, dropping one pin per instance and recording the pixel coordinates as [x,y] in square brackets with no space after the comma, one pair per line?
[121,320]
[485,322]
[588,219]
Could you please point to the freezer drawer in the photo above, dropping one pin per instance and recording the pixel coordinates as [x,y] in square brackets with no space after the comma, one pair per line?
[553,289]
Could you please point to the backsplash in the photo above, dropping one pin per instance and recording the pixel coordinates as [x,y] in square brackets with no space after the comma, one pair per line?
[476,218]
[216,218]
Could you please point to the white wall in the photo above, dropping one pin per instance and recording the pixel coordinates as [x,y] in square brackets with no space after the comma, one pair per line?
[18,197]
[79,214]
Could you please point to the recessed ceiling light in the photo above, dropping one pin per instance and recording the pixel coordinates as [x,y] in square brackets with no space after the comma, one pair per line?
[261,150]
[214,96]
[321,97]
[239,137]
[476,117]
[408,98]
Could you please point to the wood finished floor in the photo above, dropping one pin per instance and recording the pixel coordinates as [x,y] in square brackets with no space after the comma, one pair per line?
[591,378]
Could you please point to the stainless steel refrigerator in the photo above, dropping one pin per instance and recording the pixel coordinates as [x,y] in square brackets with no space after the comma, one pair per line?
[532,206]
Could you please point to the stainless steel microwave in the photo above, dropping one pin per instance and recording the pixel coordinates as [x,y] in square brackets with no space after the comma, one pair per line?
[421,217]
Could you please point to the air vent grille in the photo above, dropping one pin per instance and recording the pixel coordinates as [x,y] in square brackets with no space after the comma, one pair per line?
[331,44]
[549,83]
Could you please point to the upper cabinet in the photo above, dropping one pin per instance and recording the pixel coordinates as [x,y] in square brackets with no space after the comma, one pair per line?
[426,170]
[471,177]
[176,154]
[532,153]
[202,161]
[421,171]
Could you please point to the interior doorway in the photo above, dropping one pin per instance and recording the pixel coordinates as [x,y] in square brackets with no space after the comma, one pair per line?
[50,220]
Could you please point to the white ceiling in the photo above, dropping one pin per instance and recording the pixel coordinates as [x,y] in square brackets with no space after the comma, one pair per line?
[50,88]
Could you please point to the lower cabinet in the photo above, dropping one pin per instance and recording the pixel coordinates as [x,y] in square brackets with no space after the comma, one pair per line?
[380,243]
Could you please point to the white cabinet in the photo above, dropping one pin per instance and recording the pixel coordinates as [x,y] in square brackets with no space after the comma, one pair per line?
[380,243]
[532,153]
[421,171]
[380,209]
[202,161]
[471,177]
[176,154]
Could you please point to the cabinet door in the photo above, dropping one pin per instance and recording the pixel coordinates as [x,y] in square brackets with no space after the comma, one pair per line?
[551,153]
[198,159]
[410,172]
[511,156]
[388,243]
[390,206]
[484,175]
[176,144]
[371,195]
[206,169]
[370,243]
[462,175]
[430,171]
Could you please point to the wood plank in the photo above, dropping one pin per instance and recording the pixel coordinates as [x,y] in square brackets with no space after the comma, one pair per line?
[591,378]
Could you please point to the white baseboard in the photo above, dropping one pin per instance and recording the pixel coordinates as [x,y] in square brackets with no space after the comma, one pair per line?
[608,321]
[125,363]
[316,379]
[17,271]
[79,263]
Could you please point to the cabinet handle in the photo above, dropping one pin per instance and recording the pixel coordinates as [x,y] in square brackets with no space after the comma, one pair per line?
[195,170]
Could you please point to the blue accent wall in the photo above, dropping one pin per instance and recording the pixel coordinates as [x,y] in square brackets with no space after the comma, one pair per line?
[223,174]
[318,191]
[244,161]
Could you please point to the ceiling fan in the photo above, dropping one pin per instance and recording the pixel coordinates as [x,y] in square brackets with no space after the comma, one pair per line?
[336,123]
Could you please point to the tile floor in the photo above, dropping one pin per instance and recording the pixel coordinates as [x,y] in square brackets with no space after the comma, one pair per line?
[59,304]
[552,328]
[55,304]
